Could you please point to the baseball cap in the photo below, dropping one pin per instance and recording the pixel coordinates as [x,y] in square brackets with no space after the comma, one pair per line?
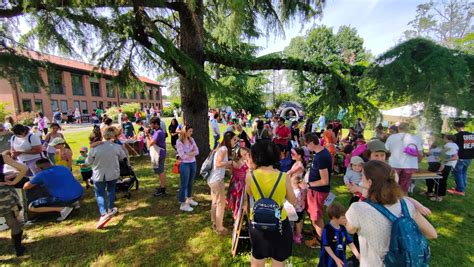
[356,160]
[83,149]
[57,141]
[376,145]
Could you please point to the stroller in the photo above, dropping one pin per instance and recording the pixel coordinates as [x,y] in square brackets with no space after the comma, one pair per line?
[127,179]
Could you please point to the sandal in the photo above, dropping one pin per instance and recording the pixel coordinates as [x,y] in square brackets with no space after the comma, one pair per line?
[223,231]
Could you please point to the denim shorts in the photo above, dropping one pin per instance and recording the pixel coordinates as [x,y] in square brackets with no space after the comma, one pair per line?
[52,202]
[161,166]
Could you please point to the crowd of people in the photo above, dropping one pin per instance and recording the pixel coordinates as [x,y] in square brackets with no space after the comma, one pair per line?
[276,161]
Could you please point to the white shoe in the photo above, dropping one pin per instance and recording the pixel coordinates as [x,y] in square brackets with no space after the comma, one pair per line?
[103,220]
[191,202]
[64,213]
[76,205]
[113,211]
[185,207]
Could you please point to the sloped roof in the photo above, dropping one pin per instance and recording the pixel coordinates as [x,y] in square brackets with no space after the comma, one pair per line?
[78,65]
[414,110]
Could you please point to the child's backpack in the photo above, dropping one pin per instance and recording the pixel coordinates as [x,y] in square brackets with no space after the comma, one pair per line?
[266,212]
[408,246]
[207,166]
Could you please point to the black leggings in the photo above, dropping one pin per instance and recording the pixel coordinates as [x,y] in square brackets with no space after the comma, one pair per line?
[441,185]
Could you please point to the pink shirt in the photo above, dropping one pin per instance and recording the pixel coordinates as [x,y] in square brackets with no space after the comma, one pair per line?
[185,149]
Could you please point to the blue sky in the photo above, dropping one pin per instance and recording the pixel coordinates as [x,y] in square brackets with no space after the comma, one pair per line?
[380,23]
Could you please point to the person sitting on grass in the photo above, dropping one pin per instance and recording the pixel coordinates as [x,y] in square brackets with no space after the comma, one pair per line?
[64,190]
[335,238]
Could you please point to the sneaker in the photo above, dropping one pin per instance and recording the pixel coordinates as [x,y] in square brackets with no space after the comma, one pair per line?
[456,192]
[76,205]
[312,243]
[159,192]
[64,213]
[113,211]
[185,207]
[103,220]
[191,202]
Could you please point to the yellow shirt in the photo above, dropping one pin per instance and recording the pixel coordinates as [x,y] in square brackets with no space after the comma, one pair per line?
[266,181]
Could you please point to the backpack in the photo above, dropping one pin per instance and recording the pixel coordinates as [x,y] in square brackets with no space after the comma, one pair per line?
[57,116]
[408,246]
[29,138]
[207,166]
[266,211]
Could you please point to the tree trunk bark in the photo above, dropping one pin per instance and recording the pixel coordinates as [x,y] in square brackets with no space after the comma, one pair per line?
[194,99]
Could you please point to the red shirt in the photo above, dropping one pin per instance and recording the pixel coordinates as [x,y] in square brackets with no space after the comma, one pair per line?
[283,134]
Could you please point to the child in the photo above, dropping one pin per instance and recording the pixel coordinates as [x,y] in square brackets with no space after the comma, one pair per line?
[335,238]
[296,174]
[285,158]
[237,182]
[141,141]
[434,164]
[451,150]
[86,169]
[63,155]
[353,176]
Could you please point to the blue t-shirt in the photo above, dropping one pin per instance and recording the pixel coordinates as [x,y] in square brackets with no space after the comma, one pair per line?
[286,163]
[336,239]
[59,182]
[321,161]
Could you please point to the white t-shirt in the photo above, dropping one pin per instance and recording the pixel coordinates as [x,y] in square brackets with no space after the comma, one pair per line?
[374,230]
[22,144]
[451,150]
[215,127]
[396,143]
[218,174]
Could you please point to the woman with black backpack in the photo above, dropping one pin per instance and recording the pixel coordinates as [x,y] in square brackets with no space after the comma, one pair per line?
[270,230]
[379,218]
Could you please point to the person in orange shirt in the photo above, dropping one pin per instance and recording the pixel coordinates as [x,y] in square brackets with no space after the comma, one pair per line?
[330,141]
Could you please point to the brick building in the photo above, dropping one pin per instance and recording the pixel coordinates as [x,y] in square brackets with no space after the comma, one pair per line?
[73,84]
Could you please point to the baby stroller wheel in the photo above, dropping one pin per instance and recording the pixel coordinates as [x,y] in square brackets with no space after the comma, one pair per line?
[137,184]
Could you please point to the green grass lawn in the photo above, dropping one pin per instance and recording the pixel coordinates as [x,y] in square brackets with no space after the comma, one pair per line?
[152,231]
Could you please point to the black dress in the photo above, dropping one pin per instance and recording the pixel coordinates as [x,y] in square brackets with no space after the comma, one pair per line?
[174,137]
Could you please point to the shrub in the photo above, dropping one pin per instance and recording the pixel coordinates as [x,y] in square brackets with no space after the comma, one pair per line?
[167,112]
[3,112]
[129,109]
[26,118]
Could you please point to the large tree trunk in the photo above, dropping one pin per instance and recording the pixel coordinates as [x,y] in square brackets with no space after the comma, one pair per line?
[194,99]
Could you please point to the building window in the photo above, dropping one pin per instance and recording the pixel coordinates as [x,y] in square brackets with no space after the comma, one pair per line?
[55,82]
[54,105]
[115,103]
[101,104]
[123,94]
[134,95]
[39,105]
[157,97]
[29,86]
[26,103]
[110,89]
[77,104]
[150,93]
[64,106]
[94,105]
[84,108]
[77,88]
[95,87]
[109,104]
[142,95]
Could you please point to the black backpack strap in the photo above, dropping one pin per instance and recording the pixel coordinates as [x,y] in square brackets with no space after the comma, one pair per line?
[29,138]
[258,187]
[276,184]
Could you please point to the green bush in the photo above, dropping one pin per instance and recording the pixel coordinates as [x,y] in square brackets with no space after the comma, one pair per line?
[129,109]
[167,112]
[26,118]
[3,112]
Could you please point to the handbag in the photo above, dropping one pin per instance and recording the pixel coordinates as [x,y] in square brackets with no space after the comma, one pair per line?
[176,166]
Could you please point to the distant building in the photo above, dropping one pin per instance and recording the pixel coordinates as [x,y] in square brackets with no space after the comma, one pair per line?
[73,84]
